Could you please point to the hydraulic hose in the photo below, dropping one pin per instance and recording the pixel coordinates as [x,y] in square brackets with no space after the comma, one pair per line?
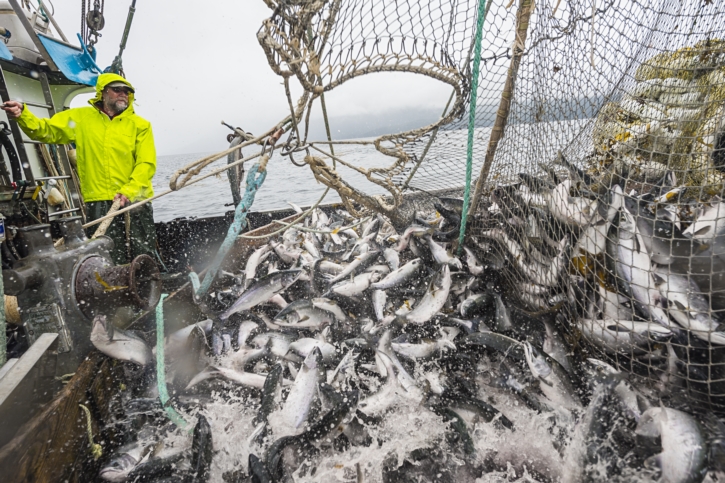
[12,153]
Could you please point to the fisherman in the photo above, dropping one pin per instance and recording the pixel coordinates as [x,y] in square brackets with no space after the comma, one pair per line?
[116,159]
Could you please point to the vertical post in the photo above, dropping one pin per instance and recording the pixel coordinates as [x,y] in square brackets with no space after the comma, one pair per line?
[523,15]
[3,337]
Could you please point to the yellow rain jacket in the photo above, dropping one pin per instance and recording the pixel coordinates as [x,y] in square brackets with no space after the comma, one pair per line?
[114,156]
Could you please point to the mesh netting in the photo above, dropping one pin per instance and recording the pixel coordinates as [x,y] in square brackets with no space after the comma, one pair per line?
[603,198]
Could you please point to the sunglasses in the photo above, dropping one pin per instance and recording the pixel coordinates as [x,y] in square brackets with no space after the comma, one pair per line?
[118,90]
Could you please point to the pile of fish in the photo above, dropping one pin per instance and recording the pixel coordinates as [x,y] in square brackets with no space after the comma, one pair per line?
[642,276]
[345,351]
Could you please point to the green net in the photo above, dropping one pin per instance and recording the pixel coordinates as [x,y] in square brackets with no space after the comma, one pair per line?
[599,139]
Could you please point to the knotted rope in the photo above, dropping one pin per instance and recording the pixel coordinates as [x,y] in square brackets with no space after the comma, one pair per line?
[255,178]
[96,449]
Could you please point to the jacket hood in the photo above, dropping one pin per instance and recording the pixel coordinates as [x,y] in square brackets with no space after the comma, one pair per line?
[103,81]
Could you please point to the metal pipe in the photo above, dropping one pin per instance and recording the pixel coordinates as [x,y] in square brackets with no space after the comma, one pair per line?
[35,104]
[58,213]
[117,64]
[45,178]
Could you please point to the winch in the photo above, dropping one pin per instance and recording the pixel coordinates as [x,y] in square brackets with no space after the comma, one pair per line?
[60,289]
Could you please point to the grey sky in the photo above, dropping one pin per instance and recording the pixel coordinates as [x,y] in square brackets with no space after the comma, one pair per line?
[194,64]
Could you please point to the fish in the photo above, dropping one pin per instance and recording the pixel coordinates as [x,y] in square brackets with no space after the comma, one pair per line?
[329,423]
[258,470]
[623,336]
[255,259]
[359,264]
[287,255]
[440,254]
[124,461]
[302,314]
[547,275]
[297,406]
[553,380]
[709,221]
[147,458]
[278,343]
[593,240]
[271,393]
[434,299]
[248,379]
[244,355]
[305,345]
[507,346]
[575,211]
[202,448]
[683,454]
[119,344]
[399,276]
[413,230]
[392,258]
[379,402]
[688,306]
[262,290]
[311,245]
[633,265]
[356,286]
[478,304]
[590,454]
[474,266]
[379,299]
[426,348]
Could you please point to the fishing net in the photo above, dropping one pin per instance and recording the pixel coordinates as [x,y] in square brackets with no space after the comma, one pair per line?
[576,102]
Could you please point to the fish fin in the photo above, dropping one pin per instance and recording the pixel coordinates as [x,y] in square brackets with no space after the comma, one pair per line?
[643,403]
[679,305]
[702,230]
[658,279]
[617,328]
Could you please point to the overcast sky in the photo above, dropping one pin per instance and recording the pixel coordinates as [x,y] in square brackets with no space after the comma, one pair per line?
[194,64]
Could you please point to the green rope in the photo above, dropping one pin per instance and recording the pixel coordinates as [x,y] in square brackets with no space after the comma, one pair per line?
[472,119]
[174,416]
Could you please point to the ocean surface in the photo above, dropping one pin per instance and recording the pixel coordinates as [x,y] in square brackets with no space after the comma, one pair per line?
[285,182]
[444,167]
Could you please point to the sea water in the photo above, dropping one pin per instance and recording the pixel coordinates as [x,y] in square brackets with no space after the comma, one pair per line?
[285,182]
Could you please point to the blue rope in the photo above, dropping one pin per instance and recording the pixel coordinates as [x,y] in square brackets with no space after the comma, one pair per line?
[472,119]
[174,416]
[255,178]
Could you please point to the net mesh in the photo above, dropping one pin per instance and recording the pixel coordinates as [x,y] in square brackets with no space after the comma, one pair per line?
[603,198]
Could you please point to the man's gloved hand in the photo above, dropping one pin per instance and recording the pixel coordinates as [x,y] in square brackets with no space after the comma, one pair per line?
[123,200]
[13,109]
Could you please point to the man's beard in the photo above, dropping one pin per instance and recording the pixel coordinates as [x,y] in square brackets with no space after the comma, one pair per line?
[117,107]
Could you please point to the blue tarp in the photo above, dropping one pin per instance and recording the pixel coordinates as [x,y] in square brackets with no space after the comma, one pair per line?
[74,62]
[5,52]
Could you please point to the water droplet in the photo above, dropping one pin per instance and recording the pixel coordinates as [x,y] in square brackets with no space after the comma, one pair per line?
[26,165]
[34,74]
